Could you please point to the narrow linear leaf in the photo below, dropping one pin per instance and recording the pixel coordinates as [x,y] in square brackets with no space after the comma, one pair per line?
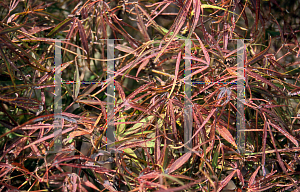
[252,178]
[126,49]
[226,134]
[60,26]
[206,6]
[285,133]
[264,80]
[178,23]
[141,25]
[142,66]
[176,73]
[259,56]
[207,58]
[10,43]
[120,90]
[179,162]
[83,37]
[76,85]
[78,133]
[226,180]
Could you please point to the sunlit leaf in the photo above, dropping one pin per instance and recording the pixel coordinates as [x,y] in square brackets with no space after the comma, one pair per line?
[226,134]
[179,162]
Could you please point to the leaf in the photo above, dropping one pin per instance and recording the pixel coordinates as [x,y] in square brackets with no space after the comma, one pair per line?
[264,80]
[199,70]
[108,186]
[259,56]
[23,102]
[138,90]
[206,6]
[156,13]
[48,137]
[150,175]
[214,162]
[174,179]
[91,185]
[130,152]
[13,5]
[120,90]
[173,120]
[195,59]
[76,85]
[179,21]
[17,49]
[204,51]
[244,13]
[78,133]
[226,135]
[179,162]
[252,178]
[226,180]
[197,10]
[60,26]
[142,66]
[176,73]
[285,133]
[8,67]
[264,141]
[141,25]
[126,49]
[136,127]
[204,122]
[13,29]
[34,30]
[91,102]
[121,127]
[83,37]
[264,188]
[121,30]
[240,176]
[12,18]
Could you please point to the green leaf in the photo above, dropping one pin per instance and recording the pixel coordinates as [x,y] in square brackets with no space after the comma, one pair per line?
[121,127]
[60,26]
[215,7]
[214,162]
[136,127]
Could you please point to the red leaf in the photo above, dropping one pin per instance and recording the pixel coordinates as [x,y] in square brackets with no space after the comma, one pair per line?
[151,175]
[226,134]
[258,77]
[251,180]
[285,133]
[78,133]
[126,49]
[91,185]
[179,162]
[240,176]
[120,90]
[226,180]
[141,24]
[204,51]
[83,37]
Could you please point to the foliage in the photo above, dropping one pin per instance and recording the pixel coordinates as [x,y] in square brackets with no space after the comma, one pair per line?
[149,100]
